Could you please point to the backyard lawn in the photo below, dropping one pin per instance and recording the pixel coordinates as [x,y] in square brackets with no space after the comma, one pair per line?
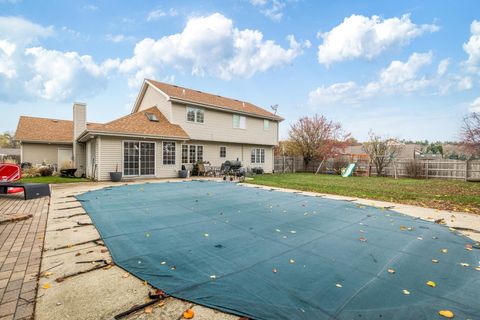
[433,193]
[52,179]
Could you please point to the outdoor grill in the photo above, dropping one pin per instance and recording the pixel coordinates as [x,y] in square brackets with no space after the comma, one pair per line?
[232,169]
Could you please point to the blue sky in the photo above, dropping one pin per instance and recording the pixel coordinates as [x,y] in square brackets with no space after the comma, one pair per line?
[407,69]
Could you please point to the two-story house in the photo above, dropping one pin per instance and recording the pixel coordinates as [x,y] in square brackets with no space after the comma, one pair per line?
[169,126]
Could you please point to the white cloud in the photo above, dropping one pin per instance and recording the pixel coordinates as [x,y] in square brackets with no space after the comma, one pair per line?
[30,72]
[90,7]
[117,38]
[210,45]
[272,9]
[398,78]
[443,67]
[159,13]
[363,37]
[472,47]
[475,105]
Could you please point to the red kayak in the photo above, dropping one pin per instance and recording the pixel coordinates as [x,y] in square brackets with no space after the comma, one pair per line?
[10,173]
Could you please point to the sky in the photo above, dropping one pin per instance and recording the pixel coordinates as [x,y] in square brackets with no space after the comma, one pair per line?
[404,69]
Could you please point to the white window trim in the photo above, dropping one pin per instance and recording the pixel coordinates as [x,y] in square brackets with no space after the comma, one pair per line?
[259,156]
[220,153]
[175,154]
[188,153]
[268,121]
[139,163]
[195,121]
[239,122]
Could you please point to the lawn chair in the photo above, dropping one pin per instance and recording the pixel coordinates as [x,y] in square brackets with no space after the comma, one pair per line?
[201,169]
[9,173]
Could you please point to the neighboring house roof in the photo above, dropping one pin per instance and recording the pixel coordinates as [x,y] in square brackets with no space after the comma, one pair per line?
[9,151]
[139,124]
[195,96]
[34,129]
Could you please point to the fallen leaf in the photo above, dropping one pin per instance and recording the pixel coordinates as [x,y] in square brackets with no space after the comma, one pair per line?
[274,270]
[338,285]
[463,264]
[147,235]
[392,271]
[205,234]
[188,314]
[145,283]
[477,268]
[434,260]
[431,284]
[405,291]
[47,274]
[46,286]
[104,251]
[293,231]
[446,313]
[292,261]
[148,310]
[126,275]
[107,267]
[213,276]
[444,250]
[278,230]
[78,254]
[363,239]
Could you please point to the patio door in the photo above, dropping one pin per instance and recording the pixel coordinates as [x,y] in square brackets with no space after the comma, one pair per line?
[138,158]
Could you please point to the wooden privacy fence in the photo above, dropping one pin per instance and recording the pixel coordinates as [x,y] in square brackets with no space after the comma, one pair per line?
[438,168]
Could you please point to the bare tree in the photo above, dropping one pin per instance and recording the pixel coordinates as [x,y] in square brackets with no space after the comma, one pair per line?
[471,133]
[316,138]
[382,151]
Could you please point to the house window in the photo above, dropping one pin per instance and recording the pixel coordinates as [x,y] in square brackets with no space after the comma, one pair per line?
[138,158]
[195,115]
[192,153]
[239,121]
[168,152]
[223,152]
[266,124]
[257,155]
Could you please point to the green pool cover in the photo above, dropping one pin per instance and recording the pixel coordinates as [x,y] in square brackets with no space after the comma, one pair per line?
[268,254]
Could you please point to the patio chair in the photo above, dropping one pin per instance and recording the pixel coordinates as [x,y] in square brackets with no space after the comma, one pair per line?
[201,169]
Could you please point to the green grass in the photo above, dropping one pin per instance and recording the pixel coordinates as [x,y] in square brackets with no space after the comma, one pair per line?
[433,193]
[52,179]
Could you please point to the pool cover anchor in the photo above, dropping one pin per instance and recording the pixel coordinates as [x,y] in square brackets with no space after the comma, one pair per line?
[157,296]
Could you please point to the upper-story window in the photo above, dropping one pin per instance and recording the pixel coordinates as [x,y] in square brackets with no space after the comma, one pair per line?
[239,121]
[266,124]
[196,115]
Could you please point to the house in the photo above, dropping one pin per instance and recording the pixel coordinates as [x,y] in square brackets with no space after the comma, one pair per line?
[169,126]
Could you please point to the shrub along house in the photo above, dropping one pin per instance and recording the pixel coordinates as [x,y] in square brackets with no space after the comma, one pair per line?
[168,126]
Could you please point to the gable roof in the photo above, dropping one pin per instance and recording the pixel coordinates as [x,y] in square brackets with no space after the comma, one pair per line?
[32,129]
[139,124]
[195,96]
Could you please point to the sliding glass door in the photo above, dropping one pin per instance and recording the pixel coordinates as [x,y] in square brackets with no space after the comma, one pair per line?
[138,158]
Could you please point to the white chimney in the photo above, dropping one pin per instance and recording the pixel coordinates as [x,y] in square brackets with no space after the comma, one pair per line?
[79,125]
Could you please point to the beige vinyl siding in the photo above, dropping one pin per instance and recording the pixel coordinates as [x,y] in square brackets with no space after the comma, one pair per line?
[154,98]
[242,152]
[111,154]
[37,153]
[218,126]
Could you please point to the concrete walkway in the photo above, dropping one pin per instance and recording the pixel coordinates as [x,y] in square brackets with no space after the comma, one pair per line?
[78,281]
[22,232]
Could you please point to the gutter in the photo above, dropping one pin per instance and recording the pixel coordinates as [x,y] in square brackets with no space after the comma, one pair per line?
[126,134]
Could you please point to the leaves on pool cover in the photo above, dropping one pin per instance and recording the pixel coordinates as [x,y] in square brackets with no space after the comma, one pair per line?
[205,234]
[431,284]
[163,262]
[392,271]
[446,313]
[188,314]
[363,239]
[403,228]
[444,250]
[274,270]
[338,285]
[278,230]
[434,260]
[463,264]
[213,276]
[292,261]
[293,231]
[405,291]
[147,235]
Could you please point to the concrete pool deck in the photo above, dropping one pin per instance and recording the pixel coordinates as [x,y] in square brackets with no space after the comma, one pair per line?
[72,243]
